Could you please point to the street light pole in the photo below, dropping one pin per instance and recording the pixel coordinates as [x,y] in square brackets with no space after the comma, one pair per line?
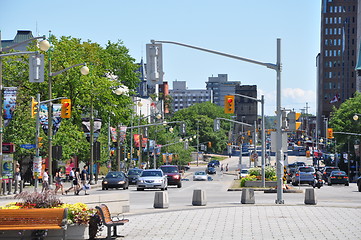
[277,68]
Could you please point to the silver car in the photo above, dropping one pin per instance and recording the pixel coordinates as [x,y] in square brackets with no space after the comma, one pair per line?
[200,176]
[153,179]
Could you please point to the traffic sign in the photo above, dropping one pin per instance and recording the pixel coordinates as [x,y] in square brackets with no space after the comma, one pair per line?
[27,146]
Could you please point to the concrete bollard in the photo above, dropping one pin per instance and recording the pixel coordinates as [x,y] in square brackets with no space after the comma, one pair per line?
[21,185]
[247,196]
[161,199]
[310,196]
[16,187]
[3,187]
[199,197]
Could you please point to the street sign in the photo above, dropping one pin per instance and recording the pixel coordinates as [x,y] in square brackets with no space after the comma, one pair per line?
[27,146]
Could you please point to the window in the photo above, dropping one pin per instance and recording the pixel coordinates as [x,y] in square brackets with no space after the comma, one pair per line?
[331,9]
[334,53]
[339,41]
[326,31]
[326,55]
[326,42]
[339,20]
[326,20]
[334,42]
[330,20]
[339,53]
[330,75]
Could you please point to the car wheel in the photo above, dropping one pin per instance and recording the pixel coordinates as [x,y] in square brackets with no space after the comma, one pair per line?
[179,185]
[329,184]
[140,189]
[346,184]
[359,187]
[103,188]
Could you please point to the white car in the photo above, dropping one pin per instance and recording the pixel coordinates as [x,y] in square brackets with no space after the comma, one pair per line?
[243,173]
[200,176]
[152,178]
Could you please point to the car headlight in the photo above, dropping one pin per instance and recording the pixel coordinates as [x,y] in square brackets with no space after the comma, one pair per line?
[105,182]
[121,182]
[140,180]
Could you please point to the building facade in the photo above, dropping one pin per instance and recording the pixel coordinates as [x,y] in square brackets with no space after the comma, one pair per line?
[184,98]
[220,87]
[246,109]
[337,80]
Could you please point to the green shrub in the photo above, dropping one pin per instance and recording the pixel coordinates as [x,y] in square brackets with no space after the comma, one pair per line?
[248,178]
[255,171]
[270,172]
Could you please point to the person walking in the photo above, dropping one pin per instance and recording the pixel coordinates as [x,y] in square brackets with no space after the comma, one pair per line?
[71,178]
[45,180]
[84,176]
[58,181]
[77,181]
[227,167]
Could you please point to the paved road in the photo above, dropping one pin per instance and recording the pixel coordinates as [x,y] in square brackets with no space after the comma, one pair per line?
[337,214]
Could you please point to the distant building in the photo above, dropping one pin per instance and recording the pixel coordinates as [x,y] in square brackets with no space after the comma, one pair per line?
[184,98]
[21,36]
[337,80]
[246,109]
[220,87]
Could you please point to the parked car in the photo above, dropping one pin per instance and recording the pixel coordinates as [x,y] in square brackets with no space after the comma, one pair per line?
[153,179]
[211,170]
[338,177]
[304,174]
[327,170]
[359,184]
[115,180]
[133,175]
[200,176]
[243,173]
[173,175]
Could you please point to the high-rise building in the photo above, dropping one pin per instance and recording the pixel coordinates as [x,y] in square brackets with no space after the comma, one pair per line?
[184,98]
[246,109]
[21,36]
[337,79]
[220,87]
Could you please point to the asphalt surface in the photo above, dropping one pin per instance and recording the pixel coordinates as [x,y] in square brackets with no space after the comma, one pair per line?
[262,220]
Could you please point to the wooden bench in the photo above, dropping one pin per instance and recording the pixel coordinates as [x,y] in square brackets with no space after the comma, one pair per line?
[34,219]
[110,221]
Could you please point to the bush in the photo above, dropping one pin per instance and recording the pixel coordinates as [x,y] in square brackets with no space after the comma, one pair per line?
[255,171]
[248,178]
[270,172]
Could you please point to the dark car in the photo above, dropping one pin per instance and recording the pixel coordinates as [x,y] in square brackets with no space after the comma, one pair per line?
[173,175]
[338,177]
[211,170]
[115,180]
[133,175]
[327,171]
[214,163]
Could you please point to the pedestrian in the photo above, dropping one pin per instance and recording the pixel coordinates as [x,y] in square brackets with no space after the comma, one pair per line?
[77,181]
[71,178]
[221,167]
[45,180]
[17,173]
[58,181]
[227,167]
[84,176]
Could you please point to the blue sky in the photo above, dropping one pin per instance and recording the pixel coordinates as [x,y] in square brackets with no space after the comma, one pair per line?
[239,27]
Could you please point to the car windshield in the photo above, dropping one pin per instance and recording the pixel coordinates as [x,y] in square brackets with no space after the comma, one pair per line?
[244,171]
[306,169]
[338,173]
[169,169]
[114,175]
[328,170]
[151,174]
[199,173]
[134,172]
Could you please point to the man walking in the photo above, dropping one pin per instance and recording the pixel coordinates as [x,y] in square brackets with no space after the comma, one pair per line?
[84,176]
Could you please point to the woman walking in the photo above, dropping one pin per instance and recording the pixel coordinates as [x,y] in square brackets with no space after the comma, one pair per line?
[58,181]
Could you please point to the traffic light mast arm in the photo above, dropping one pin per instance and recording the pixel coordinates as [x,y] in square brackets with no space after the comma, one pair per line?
[242,123]
[255,99]
[18,53]
[46,101]
[153,124]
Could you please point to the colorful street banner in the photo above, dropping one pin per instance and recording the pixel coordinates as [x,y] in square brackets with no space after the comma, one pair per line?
[113,134]
[8,169]
[9,102]
[136,141]
[56,117]
[122,133]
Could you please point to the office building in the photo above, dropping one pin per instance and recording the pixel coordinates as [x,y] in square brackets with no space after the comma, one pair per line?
[337,80]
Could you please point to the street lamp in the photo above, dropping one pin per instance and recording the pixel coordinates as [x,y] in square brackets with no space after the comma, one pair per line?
[43,46]
[277,68]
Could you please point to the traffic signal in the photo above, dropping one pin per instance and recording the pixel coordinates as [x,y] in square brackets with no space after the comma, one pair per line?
[292,118]
[34,107]
[249,133]
[329,133]
[229,104]
[65,108]
[40,144]
[209,144]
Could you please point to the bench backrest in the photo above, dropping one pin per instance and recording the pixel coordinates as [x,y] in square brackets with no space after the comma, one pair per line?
[104,213]
[33,217]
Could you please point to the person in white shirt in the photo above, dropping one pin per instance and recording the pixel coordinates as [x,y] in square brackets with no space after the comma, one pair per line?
[45,180]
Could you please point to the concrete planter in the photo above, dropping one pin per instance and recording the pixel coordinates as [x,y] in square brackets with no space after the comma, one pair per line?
[259,184]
